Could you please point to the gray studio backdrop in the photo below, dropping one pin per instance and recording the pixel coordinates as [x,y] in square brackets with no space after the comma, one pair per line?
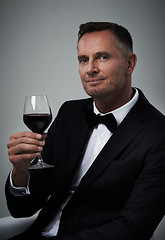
[38,55]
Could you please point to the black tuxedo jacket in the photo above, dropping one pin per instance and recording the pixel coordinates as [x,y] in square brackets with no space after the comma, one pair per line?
[122,195]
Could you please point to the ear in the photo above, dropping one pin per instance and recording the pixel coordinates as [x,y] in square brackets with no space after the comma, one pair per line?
[131,63]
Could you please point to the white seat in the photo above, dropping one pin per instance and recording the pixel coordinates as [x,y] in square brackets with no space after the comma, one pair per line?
[10,226]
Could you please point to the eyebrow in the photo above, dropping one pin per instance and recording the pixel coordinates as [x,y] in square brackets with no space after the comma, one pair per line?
[102,53]
[97,54]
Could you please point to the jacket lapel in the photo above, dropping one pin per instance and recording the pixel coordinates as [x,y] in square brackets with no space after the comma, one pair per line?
[78,135]
[131,126]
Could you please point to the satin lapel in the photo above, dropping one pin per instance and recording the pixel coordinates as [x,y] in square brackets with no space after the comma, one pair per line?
[81,130]
[78,138]
[134,121]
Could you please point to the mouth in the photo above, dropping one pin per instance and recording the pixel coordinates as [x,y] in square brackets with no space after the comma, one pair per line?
[94,81]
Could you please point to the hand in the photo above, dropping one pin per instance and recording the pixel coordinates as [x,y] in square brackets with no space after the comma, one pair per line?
[23,147]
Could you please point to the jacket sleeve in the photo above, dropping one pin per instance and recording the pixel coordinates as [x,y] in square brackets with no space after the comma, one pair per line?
[39,185]
[27,205]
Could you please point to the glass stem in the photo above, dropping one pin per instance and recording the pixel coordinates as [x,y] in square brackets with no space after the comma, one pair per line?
[40,160]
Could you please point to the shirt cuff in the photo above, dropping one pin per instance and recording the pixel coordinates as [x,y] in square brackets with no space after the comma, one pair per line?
[19,191]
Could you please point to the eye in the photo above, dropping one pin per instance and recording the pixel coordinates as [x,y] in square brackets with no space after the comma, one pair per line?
[83,59]
[103,57]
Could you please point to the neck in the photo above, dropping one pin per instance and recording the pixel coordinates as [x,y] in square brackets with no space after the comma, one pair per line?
[114,101]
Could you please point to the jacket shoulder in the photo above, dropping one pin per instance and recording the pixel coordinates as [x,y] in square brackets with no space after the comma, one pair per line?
[75,105]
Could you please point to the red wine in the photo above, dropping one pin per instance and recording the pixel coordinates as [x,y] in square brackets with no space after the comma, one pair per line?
[37,123]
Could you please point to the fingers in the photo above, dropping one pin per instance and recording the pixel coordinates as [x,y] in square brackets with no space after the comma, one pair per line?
[28,135]
[25,146]
[26,138]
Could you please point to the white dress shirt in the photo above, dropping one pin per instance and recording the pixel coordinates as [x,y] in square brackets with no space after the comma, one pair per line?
[98,139]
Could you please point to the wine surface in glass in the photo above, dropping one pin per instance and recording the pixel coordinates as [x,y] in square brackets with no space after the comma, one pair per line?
[37,123]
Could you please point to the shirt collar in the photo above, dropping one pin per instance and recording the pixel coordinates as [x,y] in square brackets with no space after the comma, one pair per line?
[121,112]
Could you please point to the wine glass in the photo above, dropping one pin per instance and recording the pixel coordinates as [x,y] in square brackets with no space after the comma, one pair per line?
[37,117]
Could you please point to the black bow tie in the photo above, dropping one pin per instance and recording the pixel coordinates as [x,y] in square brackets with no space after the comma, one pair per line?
[108,120]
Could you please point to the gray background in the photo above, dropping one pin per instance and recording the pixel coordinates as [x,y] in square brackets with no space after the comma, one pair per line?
[38,55]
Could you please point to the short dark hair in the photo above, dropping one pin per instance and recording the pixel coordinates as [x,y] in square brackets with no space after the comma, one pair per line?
[123,37]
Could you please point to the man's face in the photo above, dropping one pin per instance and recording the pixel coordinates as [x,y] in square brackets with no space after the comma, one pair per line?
[102,67]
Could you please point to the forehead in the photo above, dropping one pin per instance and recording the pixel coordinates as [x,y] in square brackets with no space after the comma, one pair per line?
[97,41]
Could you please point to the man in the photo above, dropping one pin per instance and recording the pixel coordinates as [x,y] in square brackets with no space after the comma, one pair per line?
[108,181]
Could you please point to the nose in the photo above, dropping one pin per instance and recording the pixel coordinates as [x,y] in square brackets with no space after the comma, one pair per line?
[92,67]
